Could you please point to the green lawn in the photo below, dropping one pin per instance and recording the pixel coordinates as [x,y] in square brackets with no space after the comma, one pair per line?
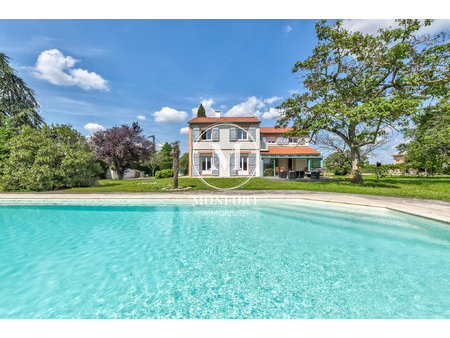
[405,186]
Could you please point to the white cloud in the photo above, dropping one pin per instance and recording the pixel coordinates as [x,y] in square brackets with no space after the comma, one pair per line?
[207,104]
[141,117]
[371,26]
[167,114]
[273,113]
[272,99]
[93,127]
[57,69]
[288,28]
[251,107]
[184,130]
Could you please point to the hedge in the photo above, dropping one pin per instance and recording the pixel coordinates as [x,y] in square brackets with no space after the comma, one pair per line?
[164,173]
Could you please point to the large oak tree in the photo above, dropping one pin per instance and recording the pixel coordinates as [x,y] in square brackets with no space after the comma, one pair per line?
[359,86]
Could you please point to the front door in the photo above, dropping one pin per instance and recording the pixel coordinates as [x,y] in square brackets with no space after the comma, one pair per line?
[291,164]
[243,165]
[206,168]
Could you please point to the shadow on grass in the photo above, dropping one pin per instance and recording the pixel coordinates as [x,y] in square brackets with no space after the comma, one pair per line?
[107,185]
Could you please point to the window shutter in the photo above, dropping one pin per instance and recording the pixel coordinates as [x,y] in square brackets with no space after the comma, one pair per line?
[232,134]
[215,168]
[232,165]
[263,142]
[195,134]
[252,163]
[215,134]
[196,164]
[252,134]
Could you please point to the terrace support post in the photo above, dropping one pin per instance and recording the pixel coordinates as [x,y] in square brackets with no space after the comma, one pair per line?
[274,160]
[309,164]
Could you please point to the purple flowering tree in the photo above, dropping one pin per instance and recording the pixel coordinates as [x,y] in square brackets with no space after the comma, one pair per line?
[121,147]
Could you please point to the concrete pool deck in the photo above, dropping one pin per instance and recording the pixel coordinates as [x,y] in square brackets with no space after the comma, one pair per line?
[434,209]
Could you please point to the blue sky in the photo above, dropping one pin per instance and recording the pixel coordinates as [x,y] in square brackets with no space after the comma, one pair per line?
[101,73]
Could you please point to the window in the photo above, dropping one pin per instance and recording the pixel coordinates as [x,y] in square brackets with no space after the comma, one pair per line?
[293,139]
[241,134]
[206,134]
[243,162]
[206,163]
[272,140]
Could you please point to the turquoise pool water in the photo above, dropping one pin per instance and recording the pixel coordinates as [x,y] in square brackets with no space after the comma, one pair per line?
[269,260]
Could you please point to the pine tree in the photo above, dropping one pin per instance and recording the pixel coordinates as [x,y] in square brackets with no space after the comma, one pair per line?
[18,104]
[201,112]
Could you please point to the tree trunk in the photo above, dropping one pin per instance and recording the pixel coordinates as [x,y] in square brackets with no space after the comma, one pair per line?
[175,159]
[120,173]
[356,165]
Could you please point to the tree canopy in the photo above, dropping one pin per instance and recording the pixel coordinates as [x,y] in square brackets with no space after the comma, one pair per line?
[17,101]
[121,147]
[166,153]
[184,163]
[201,112]
[53,157]
[359,86]
[154,162]
[6,134]
[429,146]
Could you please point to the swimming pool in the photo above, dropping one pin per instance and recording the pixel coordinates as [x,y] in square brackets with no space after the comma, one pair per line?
[269,259]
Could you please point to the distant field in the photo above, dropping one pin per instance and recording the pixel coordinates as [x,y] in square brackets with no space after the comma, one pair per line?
[402,186]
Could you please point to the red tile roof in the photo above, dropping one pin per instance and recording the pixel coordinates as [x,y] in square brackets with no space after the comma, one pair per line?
[224,119]
[273,130]
[297,150]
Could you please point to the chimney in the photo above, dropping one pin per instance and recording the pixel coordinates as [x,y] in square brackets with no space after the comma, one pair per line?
[217,113]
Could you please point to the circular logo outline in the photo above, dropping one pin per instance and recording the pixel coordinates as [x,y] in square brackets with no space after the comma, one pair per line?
[197,141]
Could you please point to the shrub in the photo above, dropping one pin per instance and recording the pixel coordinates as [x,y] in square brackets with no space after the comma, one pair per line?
[54,157]
[164,173]
[384,169]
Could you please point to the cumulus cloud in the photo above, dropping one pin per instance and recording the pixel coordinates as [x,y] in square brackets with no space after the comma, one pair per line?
[288,28]
[272,99]
[141,117]
[93,127]
[167,114]
[369,26]
[251,107]
[184,130]
[57,69]
[207,104]
[273,113]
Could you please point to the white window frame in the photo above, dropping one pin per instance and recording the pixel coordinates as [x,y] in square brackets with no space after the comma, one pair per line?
[239,130]
[205,133]
[208,160]
[292,138]
[243,162]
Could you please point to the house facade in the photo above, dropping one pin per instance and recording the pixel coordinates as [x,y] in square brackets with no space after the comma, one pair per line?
[239,146]
[399,158]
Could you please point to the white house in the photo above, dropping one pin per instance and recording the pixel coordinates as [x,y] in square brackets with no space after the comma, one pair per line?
[238,146]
